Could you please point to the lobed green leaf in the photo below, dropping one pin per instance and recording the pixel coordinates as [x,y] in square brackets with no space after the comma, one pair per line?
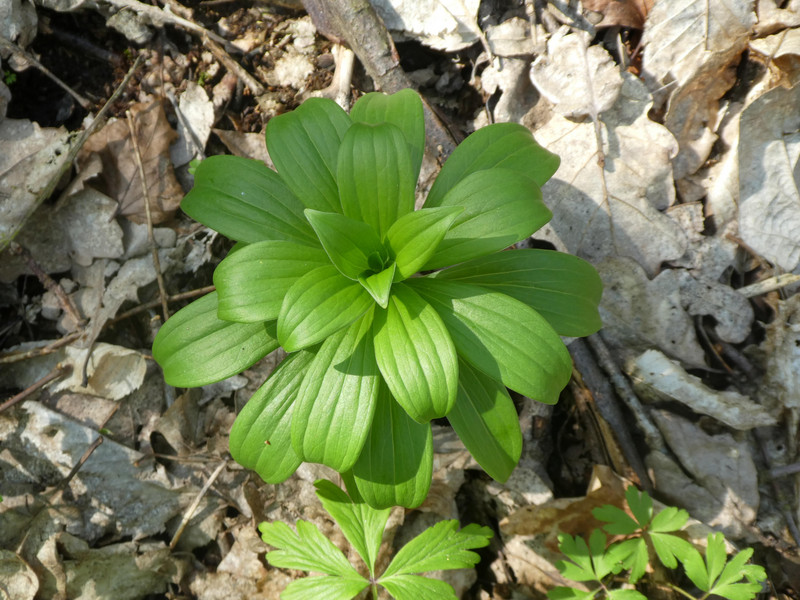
[669,548]
[327,587]
[640,504]
[376,182]
[396,463]
[194,347]
[618,521]
[304,145]
[669,519]
[252,281]
[501,336]
[503,145]
[247,201]
[261,434]
[336,401]
[564,289]
[402,109]
[416,587]
[320,303]
[485,419]
[416,356]
[501,207]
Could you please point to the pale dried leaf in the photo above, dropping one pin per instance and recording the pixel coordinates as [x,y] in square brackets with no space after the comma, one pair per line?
[775,15]
[517,93]
[780,353]
[19,580]
[769,178]
[248,145]
[510,38]
[195,126]
[612,209]
[447,25]
[580,80]
[658,379]
[622,13]
[691,50]
[120,175]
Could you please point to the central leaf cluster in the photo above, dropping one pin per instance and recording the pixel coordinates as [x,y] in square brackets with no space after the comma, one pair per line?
[328,266]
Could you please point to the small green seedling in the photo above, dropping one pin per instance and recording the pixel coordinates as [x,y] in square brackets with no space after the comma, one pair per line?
[334,264]
[442,546]
[651,536]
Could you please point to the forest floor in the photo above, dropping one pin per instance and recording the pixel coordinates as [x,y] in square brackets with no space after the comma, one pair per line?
[678,128]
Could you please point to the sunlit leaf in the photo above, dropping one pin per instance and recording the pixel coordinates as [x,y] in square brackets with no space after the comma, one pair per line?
[379,285]
[414,237]
[348,242]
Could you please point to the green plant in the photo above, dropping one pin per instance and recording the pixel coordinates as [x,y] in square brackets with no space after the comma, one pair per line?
[650,536]
[9,78]
[334,264]
[439,547]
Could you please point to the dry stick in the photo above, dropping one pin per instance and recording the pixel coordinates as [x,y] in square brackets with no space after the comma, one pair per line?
[769,285]
[174,298]
[12,357]
[150,237]
[190,513]
[76,145]
[59,371]
[86,104]
[234,67]
[62,485]
[48,282]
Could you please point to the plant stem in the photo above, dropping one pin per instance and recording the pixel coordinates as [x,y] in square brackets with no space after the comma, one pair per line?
[374,591]
[680,591]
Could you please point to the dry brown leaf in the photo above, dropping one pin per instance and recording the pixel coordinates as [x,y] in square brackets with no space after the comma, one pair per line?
[623,13]
[120,175]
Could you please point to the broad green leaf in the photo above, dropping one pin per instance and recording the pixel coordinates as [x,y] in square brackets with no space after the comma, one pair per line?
[336,401]
[318,304]
[376,181]
[485,419]
[261,434]
[402,109]
[252,281]
[619,522]
[442,546]
[669,519]
[349,243]
[361,524]
[564,289]
[504,145]
[670,548]
[501,336]
[416,356]
[640,504]
[195,348]
[414,237]
[577,551]
[247,201]
[501,207]
[379,285]
[567,593]
[417,587]
[396,463]
[327,587]
[304,145]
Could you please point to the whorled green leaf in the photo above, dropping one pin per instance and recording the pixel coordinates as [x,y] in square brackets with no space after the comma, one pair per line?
[329,587]
[304,145]
[416,587]
[379,285]
[416,356]
[564,289]
[361,524]
[485,419]
[396,463]
[247,201]
[670,548]
[402,109]
[443,546]
[348,242]
[261,435]
[501,336]
[252,281]
[501,207]
[194,347]
[504,145]
[306,550]
[414,237]
[318,304]
[336,401]
[376,182]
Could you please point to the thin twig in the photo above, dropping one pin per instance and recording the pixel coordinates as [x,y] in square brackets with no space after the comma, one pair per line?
[150,237]
[768,285]
[8,44]
[152,304]
[48,282]
[12,357]
[190,513]
[62,485]
[59,371]
[234,67]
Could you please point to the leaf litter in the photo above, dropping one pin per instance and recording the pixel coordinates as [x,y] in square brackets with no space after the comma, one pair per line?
[676,124]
